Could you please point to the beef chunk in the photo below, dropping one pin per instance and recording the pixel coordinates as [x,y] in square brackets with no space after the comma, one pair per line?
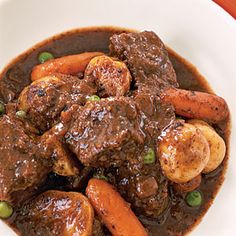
[44,99]
[146,56]
[22,164]
[143,185]
[106,133]
[157,115]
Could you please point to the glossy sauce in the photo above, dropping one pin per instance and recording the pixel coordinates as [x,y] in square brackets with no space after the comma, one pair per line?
[178,218]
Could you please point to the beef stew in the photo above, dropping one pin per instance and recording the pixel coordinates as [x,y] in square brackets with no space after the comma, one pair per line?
[119,118]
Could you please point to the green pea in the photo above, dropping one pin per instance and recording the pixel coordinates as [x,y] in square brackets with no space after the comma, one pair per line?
[194,198]
[2,109]
[21,114]
[94,98]
[149,158]
[45,56]
[5,210]
[102,177]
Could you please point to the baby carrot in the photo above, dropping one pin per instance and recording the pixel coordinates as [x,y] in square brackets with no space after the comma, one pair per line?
[69,65]
[197,105]
[114,211]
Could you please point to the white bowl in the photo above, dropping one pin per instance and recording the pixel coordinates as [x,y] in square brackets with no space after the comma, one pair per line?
[198,30]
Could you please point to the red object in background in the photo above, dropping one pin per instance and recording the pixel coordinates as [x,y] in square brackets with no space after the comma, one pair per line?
[228,5]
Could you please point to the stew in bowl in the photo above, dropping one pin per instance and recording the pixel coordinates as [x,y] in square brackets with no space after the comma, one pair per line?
[106,131]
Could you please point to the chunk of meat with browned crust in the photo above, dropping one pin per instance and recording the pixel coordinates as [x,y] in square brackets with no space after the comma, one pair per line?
[143,185]
[146,57]
[105,133]
[157,115]
[22,164]
[45,99]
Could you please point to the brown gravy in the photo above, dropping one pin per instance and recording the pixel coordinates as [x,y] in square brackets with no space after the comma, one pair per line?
[179,218]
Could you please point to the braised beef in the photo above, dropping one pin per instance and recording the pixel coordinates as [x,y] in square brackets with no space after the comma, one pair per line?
[131,179]
[106,133]
[45,99]
[22,164]
[146,56]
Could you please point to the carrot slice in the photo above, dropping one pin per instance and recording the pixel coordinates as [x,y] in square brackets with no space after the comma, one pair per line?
[114,211]
[69,65]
